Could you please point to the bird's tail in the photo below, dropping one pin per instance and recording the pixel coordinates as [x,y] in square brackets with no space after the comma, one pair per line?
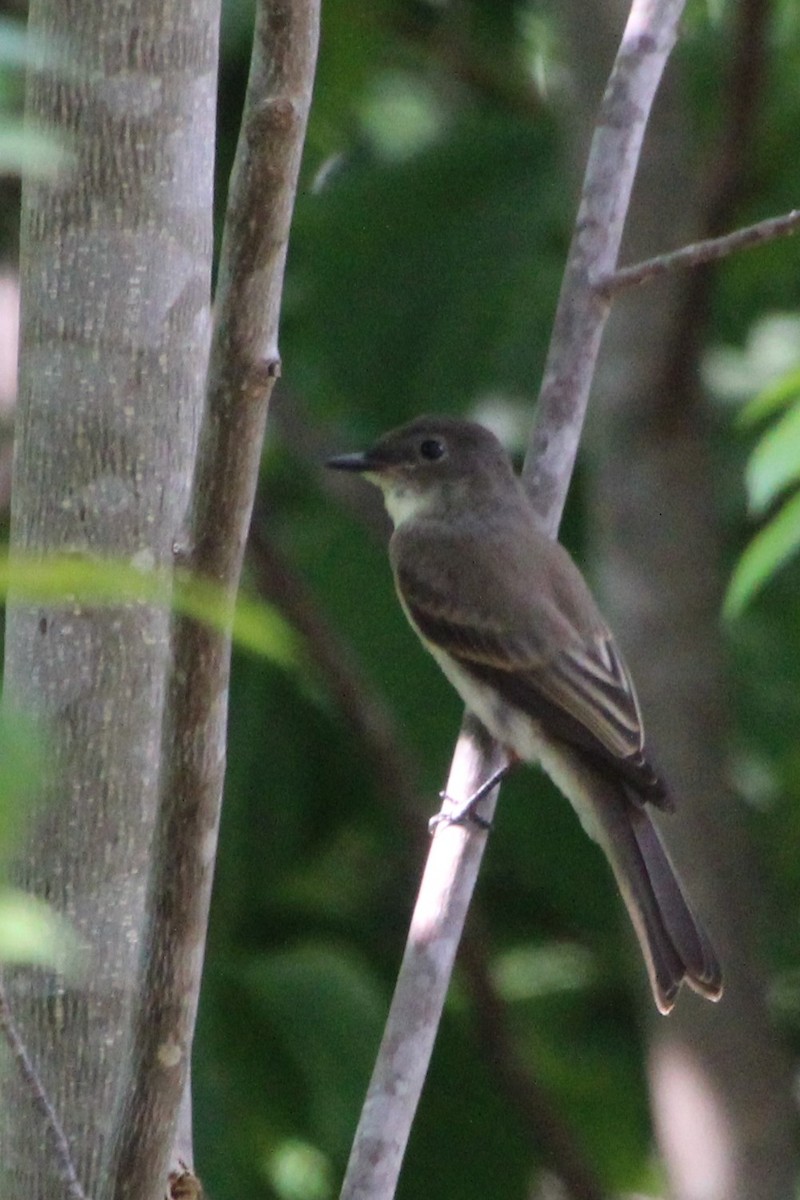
[674,944]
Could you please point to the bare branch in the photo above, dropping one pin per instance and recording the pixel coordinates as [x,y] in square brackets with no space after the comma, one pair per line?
[407,1043]
[582,313]
[243,366]
[455,855]
[28,1072]
[698,253]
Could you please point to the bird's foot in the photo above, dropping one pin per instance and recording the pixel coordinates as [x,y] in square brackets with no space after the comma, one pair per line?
[456,812]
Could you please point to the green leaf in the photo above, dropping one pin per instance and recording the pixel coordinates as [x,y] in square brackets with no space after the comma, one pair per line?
[772,399]
[31,932]
[256,626]
[34,151]
[73,579]
[775,463]
[769,549]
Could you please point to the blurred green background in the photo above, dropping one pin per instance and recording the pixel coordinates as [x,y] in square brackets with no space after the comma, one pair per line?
[437,199]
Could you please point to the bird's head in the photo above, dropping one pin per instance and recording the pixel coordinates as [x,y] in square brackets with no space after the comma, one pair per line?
[431,463]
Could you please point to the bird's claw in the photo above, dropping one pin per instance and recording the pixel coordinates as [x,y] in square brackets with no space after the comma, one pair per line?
[460,812]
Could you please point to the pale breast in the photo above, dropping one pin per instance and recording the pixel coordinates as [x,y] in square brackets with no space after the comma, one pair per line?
[522,734]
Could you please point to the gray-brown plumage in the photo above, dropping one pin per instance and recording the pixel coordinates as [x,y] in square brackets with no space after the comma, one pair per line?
[511,622]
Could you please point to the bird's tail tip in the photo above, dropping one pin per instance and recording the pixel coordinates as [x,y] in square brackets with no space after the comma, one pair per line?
[676,946]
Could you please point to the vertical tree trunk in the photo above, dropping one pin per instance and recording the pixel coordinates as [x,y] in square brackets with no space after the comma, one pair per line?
[116,259]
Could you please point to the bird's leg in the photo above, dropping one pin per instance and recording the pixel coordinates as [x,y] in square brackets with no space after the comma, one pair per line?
[461,810]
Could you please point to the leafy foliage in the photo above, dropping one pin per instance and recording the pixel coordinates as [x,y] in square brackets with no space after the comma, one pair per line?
[73,579]
[773,469]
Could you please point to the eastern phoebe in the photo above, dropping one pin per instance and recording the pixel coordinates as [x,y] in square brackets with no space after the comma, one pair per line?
[508,617]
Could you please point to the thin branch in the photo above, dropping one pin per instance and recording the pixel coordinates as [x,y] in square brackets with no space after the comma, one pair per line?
[28,1072]
[407,1043]
[456,852]
[581,314]
[698,253]
[243,366]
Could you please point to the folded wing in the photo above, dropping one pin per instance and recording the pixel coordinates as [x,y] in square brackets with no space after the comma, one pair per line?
[578,687]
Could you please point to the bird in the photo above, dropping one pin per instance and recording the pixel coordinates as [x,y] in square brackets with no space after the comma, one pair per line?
[510,620]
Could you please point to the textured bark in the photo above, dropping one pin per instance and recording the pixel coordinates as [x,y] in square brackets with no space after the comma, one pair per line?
[720,1083]
[116,261]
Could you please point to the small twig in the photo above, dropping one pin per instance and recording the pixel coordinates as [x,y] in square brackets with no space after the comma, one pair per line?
[28,1072]
[699,252]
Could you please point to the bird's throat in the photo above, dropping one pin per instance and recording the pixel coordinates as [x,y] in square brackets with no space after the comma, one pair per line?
[403,502]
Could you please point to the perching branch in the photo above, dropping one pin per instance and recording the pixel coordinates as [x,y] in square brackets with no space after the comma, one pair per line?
[416,1008]
[581,314]
[698,253]
[456,851]
[244,363]
[28,1072]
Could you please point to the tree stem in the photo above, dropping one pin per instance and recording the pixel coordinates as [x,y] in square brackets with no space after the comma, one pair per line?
[694,255]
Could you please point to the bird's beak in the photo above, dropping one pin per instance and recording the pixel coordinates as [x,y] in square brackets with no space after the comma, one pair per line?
[350,462]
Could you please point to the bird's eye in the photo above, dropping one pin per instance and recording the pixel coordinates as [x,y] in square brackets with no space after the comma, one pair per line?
[432,449]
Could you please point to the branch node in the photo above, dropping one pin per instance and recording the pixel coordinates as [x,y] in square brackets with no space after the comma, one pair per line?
[277,115]
[696,254]
[261,376]
[184,1185]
